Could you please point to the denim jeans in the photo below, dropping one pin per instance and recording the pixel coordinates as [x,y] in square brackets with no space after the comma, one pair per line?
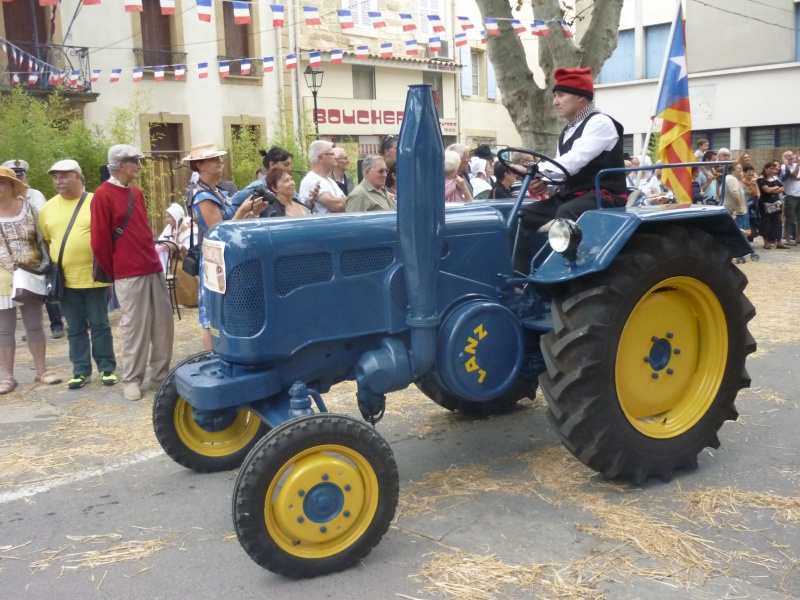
[84,309]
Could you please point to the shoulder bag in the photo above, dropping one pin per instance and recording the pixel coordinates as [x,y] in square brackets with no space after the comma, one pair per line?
[98,274]
[28,284]
[55,276]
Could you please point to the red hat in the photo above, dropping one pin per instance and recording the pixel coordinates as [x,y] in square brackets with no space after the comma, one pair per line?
[574,81]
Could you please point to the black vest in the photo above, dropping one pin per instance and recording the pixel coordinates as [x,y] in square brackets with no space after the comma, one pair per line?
[583,180]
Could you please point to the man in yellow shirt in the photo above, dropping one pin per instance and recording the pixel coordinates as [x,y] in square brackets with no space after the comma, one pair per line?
[85,302]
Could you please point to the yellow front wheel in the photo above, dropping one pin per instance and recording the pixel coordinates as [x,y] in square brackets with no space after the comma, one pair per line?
[315,495]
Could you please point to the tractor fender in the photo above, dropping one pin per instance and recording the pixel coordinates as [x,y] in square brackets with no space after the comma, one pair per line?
[606,233]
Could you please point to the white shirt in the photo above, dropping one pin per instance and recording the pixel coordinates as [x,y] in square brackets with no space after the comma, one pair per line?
[326,186]
[791,187]
[598,136]
[36,199]
[651,185]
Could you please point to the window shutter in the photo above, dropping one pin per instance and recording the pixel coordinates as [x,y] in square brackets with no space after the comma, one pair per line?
[491,80]
[466,71]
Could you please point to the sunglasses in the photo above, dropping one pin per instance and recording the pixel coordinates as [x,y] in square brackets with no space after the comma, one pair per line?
[387,141]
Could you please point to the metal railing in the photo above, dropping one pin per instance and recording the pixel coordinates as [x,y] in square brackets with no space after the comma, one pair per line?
[256,67]
[68,60]
[149,59]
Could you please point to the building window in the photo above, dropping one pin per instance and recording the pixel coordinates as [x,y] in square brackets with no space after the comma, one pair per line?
[156,35]
[363,83]
[627,143]
[437,89]
[621,65]
[476,73]
[359,10]
[26,26]
[237,39]
[429,7]
[782,136]
[717,138]
[656,38]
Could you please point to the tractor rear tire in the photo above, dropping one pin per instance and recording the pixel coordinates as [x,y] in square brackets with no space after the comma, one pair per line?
[191,446]
[315,496]
[646,358]
[501,405]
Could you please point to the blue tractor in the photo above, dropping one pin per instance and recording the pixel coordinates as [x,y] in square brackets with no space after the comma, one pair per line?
[632,321]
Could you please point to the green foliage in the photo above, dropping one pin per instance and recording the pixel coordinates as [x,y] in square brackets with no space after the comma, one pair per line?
[245,158]
[652,150]
[43,132]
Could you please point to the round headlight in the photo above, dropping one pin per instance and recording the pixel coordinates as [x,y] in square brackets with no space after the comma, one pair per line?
[564,235]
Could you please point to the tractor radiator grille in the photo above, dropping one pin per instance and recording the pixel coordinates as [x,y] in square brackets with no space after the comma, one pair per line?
[366,260]
[398,289]
[243,307]
[294,272]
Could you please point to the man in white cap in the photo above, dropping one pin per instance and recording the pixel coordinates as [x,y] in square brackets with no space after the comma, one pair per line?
[85,301]
[36,199]
[122,242]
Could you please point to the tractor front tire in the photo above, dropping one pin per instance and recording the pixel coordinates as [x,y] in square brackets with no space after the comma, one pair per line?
[501,405]
[315,495]
[646,358]
[193,447]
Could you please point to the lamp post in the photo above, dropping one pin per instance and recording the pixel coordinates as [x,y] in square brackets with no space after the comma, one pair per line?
[313,77]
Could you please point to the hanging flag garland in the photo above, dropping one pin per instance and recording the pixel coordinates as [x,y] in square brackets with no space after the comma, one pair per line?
[539,28]
[202,70]
[345,19]
[241,13]
[362,51]
[167,7]
[435,44]
[336,57]
[268,64]
[465,23]
[377,19]
[315,59]
[386,50]
[408,22]
[291,61]
[277,15]
[411,48]
[204,10]
[436,23]
[133,6]
[245,66]
[311,15]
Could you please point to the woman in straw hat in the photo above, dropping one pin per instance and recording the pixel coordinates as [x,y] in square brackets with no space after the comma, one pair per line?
[22,245]
[211,205]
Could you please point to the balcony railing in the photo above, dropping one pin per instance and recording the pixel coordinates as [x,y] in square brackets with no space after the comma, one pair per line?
[149,59]
[256,67]
[57,65]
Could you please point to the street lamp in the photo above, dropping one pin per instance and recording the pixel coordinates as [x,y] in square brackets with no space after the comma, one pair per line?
[313,77]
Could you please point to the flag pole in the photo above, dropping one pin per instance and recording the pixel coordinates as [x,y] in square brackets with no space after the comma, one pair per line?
[661,80]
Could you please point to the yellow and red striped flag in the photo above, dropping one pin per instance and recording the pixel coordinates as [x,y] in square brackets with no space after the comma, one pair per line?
[675,145]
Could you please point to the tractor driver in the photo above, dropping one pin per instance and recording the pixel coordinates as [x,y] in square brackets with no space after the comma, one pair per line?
[590,141]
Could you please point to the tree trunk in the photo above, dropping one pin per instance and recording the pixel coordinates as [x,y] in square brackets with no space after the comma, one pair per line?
[529,106]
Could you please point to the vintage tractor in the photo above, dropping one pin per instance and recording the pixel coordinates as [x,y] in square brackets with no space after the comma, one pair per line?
[633,322]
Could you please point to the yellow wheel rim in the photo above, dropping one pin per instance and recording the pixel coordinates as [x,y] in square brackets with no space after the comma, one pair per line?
[321,501]
[671,357]
[215,443]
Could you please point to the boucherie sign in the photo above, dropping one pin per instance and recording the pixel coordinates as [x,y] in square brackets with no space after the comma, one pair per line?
[336,116]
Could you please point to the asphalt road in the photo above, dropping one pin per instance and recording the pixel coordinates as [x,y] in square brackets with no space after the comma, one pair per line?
[90,507]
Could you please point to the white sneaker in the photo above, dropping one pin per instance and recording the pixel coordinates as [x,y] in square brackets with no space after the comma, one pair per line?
[132,392]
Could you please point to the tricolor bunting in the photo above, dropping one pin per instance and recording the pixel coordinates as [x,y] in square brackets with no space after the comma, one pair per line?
[435,44]
[204,10]
[675,145]
[436,23]
[567,29]
[291,61]
[224,68]
[386,50]
[131,5]
[483,36]
[491,27]
[115,73]
[408,22]
[202,70]
[362,51]
[314,59]
[96,75]
[45,3]
[465,23]
[245,66]
[167,7]
[311,14]
[519,28]
[90,2]
[345,18]
[33,78]
[180,72]
[277,14]
[336,57]
[411,48]
[540,28]
[158,73]
[377,19]
[138,72]
[268,64]
[241,13]
[461,39]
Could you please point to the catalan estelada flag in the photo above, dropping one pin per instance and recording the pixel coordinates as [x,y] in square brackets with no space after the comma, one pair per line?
[673,107]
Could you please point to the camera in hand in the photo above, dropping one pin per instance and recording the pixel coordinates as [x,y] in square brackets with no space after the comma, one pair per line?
[262,192]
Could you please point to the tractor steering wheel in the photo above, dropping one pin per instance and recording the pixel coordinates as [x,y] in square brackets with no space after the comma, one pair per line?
[534,166]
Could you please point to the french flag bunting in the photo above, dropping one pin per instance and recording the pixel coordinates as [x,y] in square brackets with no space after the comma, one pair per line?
[540,28]
[386,50]
[45,3]
[519,28]
[345,19]
[95,75]
[362,51]
[436,23]
[180,72]
[33,78]
[465,23]
[411,48]
[53,78]
[130,5]
[224,68]
[491,27]
[204,12]
[311,13]
[167,7]
[269,64]
[202,70]
[73,78]
[377,19]
[61,76]
[483,36]
[15,78]
[241,13]
[567,30]
[435,44]
[315,59]
[138,72]
[245,66]
[90,2]
[461,39]
[5,48]
[115,73]
[277,14]
[407,22]
[291,61]
[158,73]
[336,56]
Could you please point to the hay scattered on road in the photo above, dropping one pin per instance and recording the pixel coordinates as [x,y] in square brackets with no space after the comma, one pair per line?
[714,507]
[777,319]
[121,551]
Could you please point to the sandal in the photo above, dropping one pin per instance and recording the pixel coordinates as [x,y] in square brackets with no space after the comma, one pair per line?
[8,385]
[48,377]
